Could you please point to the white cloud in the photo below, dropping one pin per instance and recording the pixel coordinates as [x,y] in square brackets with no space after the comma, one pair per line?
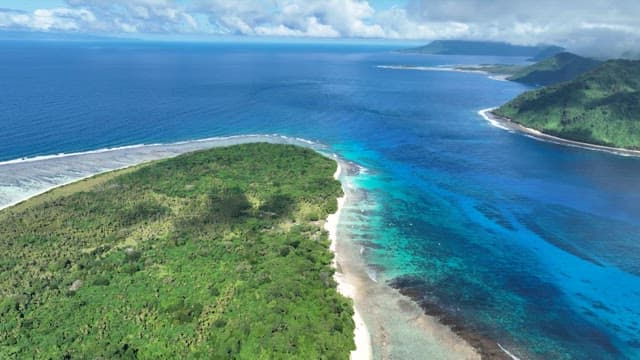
[398,24]
[330,18]
[601,27]
[311,28]
[58,19]
[589,26]
[113,16]
[146,16]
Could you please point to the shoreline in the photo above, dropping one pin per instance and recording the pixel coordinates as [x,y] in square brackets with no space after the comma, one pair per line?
[389,324]
[234,139]
[67,168]
[506,124]
[362,337]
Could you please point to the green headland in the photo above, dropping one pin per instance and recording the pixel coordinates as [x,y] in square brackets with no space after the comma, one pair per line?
[601,106]
[216,254]
[555,69]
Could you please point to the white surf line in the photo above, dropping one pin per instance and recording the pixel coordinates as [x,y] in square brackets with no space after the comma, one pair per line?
[484,114]
[416,68]
[151,145]
[508,352]
[499,77]
[446,68]
[63,155]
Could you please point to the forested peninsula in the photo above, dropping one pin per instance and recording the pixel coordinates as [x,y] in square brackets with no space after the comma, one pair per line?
[600,106]
[214,254]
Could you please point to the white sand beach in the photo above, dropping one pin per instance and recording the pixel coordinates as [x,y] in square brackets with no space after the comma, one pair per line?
[361,334]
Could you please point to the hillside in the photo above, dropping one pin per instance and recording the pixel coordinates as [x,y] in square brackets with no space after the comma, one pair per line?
[216,254]
[600,107]
[488,48]
[558,68]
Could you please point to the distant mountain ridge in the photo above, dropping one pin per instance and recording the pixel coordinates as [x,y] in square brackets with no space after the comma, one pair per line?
[557,68]
[601,106]
[462,47]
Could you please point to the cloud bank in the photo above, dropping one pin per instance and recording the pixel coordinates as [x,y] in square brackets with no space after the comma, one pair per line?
[597,27]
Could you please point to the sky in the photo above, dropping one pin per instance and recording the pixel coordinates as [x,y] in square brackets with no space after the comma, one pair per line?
[592,27]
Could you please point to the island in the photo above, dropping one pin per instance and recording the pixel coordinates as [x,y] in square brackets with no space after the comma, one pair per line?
[218,254]
[485,48]
[600,107]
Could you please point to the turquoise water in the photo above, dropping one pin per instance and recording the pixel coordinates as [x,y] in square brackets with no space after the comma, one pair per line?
[529,244]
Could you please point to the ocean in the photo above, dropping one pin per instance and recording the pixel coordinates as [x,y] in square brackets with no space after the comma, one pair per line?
[507,239]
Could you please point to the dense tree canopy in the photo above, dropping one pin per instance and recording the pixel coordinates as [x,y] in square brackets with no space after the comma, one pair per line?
[213,254]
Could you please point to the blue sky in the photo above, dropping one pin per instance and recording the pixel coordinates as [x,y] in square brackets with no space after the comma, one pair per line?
[29,5]
[605,26]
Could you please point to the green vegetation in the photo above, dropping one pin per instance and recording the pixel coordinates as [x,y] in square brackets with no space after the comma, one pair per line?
[600,107]
[491,48]
[558,68]
[214,254]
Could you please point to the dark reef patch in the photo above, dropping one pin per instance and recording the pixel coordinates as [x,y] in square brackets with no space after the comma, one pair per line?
[492,213]
[416,289]
[556,240]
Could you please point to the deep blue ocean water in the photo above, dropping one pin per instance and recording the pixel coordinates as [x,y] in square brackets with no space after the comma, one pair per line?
[532,244]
